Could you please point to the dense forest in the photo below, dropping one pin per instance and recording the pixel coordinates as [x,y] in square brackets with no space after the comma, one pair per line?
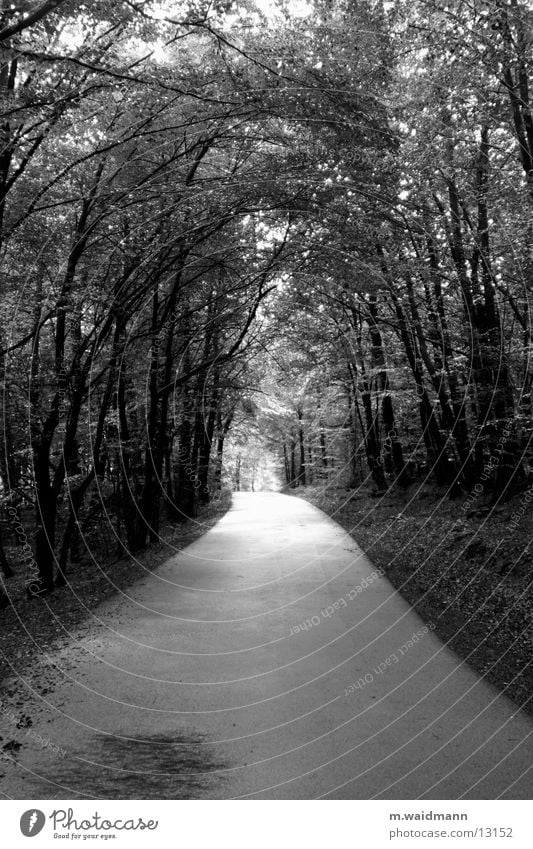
[231,231]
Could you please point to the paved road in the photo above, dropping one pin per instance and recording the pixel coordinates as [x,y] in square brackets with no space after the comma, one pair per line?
[204,684]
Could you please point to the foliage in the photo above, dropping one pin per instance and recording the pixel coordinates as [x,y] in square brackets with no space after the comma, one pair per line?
[222,235]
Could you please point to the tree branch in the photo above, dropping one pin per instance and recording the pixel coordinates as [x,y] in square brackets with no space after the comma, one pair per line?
[38,14]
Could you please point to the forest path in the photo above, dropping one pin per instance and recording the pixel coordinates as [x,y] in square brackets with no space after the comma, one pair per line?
[201,684]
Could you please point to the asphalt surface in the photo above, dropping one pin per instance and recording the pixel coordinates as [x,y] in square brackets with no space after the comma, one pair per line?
[266,660]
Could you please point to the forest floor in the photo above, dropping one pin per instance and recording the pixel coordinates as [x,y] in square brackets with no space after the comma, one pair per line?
[31,627]
[466,570]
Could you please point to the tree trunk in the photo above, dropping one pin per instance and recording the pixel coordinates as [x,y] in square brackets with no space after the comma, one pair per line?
[301,472]
[394,461]
[292,462]
[206,440]
[185,495]
[46,516]
[151,492]
[434,441]
[222,432]
[372,442]
[237,483]
[4,564]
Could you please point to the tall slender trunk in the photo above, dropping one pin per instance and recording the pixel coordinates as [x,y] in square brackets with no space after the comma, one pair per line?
[207,440]
[133,523]
[459,425]
[372,441]
[310,461]
[151,492]
[223,428]
[434,441]
[394,461]
[185,494]
[5,568]
[237,482]
[301,443]
[286,463]
[77,495]
[292,460]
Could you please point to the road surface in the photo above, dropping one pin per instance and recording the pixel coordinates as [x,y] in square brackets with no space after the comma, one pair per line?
[267,660]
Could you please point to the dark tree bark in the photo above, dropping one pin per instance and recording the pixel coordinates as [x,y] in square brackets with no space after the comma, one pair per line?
[206,442]
[371,431]
[394,461]
[292,461]
[223,427]
[286,463]
[30,19]
[301,443]
[435,443]
[151,492]
[6,569]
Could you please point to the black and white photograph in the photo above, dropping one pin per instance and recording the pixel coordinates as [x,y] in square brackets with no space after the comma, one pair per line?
[266,457]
